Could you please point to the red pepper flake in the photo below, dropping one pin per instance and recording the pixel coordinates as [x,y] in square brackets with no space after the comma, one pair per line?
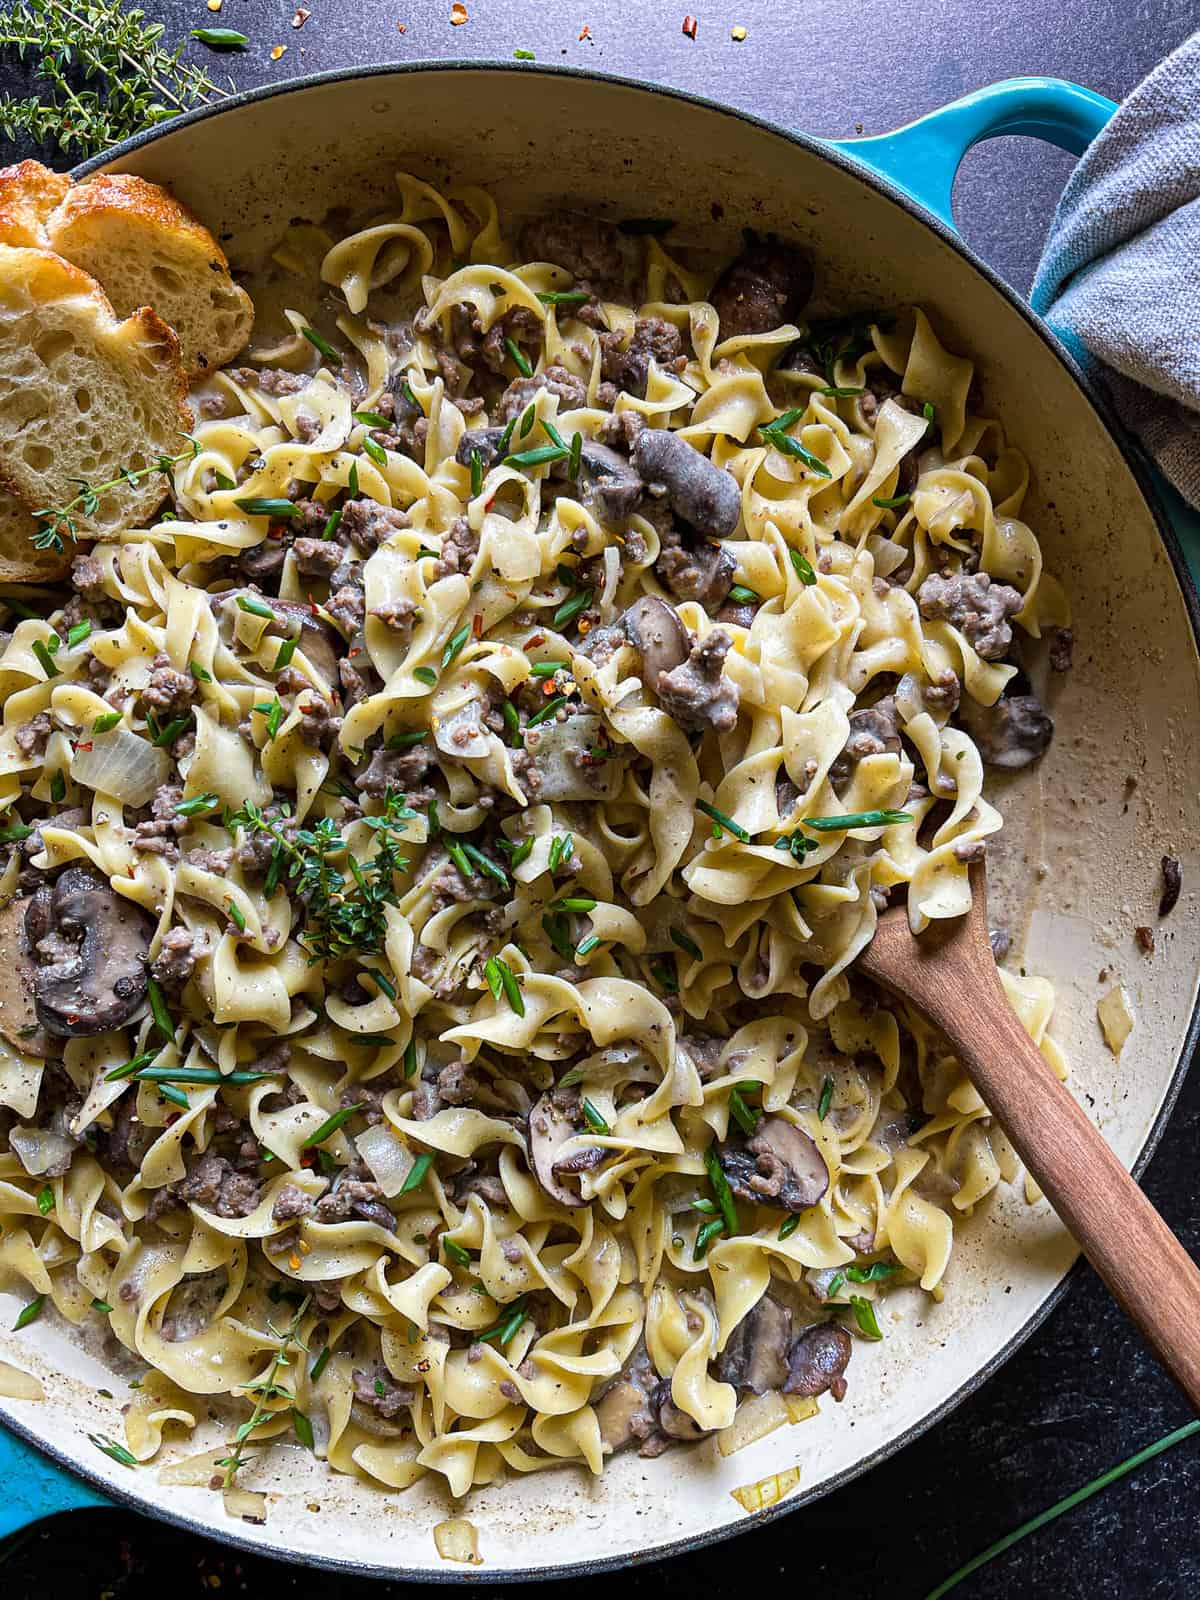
[84,747]
[534,640]
[314,607]
[72,1018]
[586,33]
[354,650]
[174,1117]
[275,531]
[402,27]
[301,17]
[458,14]
[689,27]
[477,625]
[309,1158]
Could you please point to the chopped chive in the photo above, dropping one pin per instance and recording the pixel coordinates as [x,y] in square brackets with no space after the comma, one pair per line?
[508,1324]
[567,575]
[722,821]
[78,633]
[410,1058]
[456,1252]
[383,982]
[528,418]
[512,720]
[555,929]
[256,608]
[486,865]
[58,788]
[476,473]
[425,675]
[197,804]
[375,450]
[45,659]
[102,1442]
[103,723]
[744,1114]
[562,848]
[774,435]
[554,436]
[130,1067]
[826,1099]
[858,819]
[581,904]
[593,1118]
[237,916]
[524,55]
[664,976]
[176,1096]
[512,989]
[215,39]
[371,419]
[707,1233]
[686,943]
[158,1009]
[319,1365]
[570,1079]
[788,1227]
[101,1305]
[303,1429]
[928,412]
[54,644]
[890,505]
[570,609]
[519,358]
[506,437]
[803,566]
[545,712]
[332,523]
[416,1173]
[576,456]
[405,741]
[547,669]
[268,508]
[331,1125]
[743,596]
[537,457]
[168,735]
[201,674]
[284,654]
[705,1206]
[45,1200]
[722,1191]
[459,857]
[523,851]
[564,297]
[835,1285]
[864,1315]
[321,344]
[274,717]
[586,946]
[454,644]
[491,971]
[379,1041]
[841,393]
[15,834]
[406,391]
[224,481]
[150,1074]
[352,481]
[874,1273]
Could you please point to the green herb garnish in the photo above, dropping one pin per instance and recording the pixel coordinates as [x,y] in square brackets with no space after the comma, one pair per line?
[110,1447]
[59,520]
[562,848]
[78,633]
[45,658]
[416,1173]
[58,788]
[707,1232]
[722,821]
[45,1200]
[586,946]
[537,457]
[503,1330]
[284,654]
[456,1252]
[864,1315]
[321,344]
[788,1227]
[374,450]
[278,510]
[371,419]
[593,1118]
[476,474]
[804,567]
[29,1312]
[796,845]
[256,608]
[874,1273]
[158,1009]
[454,644]
[858,819]
[564,297]
[744,1114]
[425,675]
[890,505]
[221,38]
[264,1390]
[545,712]
[743,596]
[331,1125]
[104,723]
[519,358]
[773,434]
[826,1099]
[303,1429]
[101,1305]
[722,1191]
[319,1365]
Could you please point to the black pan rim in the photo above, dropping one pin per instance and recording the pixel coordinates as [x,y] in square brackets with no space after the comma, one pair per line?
[1137,466]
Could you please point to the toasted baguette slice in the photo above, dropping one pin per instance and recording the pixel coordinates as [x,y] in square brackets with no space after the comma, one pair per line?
[141,246]
[20,560]
[83,396]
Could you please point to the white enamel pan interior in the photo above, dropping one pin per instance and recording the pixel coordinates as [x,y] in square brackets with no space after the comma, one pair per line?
[1117,790]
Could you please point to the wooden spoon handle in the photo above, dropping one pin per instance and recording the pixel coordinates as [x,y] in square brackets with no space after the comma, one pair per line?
[1120,1232]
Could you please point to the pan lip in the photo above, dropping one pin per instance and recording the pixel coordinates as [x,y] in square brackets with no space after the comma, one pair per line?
[1138,466]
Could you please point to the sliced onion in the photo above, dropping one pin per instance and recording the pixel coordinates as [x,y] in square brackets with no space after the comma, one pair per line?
[389,1159]
[39,1149]
[1116,1018]
[612,576]
[122,765]
[753,1420]
[246,1504]
[18,1385]
[457,1540]
[195,1472]
[552,744]
[767,1491]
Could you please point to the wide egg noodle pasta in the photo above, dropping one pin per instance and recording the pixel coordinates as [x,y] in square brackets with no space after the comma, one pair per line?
[369,631]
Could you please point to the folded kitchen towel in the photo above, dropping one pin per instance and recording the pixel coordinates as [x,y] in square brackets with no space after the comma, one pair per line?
[1119,279]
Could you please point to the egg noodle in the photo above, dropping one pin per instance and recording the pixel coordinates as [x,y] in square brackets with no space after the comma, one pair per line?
[482,969]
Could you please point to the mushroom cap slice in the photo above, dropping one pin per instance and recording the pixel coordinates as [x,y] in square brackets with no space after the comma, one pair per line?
[317,638]
[656,631]
[96,981]
[549,1130]
[18,1016]
[755,1356]
[779,1166]
[612,487]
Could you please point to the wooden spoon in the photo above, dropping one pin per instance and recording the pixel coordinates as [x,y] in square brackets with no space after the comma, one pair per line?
[949,974]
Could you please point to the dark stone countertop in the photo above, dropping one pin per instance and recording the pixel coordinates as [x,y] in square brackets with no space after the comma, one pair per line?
[1083,1392]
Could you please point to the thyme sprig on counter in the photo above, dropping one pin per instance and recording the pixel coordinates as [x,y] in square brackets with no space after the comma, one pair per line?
[58,521]
[345,902]
[103,73]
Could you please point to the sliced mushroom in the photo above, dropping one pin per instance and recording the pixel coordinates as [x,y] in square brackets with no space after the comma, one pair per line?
[549,1129]
[612,487]
[657,633]
[18,1019]
[779,1166]
[483,442]
[705,496]
[818,1359]
[91,976]
[625,1411]
[676,1424]
[764,287]
[318,639]
[755,1356]
[1011,734]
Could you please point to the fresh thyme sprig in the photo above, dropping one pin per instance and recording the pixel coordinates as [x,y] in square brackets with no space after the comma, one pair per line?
[59,520]
[266,1389]
[105,74]
[344,910]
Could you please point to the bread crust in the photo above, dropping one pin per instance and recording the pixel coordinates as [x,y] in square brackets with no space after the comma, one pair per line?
[29,192]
